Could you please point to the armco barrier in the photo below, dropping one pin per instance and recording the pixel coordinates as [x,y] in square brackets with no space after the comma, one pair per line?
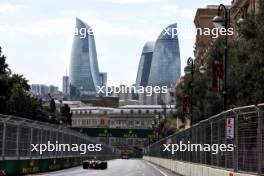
[242,127]
[17,135]
[191,169]
[30,166]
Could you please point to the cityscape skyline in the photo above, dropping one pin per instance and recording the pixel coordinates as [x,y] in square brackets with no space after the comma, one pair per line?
[48,34]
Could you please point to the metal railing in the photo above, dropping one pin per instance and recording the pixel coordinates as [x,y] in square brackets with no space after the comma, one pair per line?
[17,135]
[247,137]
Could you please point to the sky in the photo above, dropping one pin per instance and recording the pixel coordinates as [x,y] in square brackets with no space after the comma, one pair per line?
[36,36]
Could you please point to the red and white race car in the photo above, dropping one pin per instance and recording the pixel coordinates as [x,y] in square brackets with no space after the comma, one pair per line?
[94,164]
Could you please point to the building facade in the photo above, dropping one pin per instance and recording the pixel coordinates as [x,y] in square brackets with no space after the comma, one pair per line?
[42,90]
[242,9]
[84,70]
[65,85]
[204,19]
[145,64]
[166,63]
[103,78]
[131,117]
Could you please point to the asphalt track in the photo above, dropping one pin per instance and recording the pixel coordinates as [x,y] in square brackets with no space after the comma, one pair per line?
[118,167]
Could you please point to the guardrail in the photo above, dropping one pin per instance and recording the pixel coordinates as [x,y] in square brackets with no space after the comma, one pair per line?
[242,127]
[17,135]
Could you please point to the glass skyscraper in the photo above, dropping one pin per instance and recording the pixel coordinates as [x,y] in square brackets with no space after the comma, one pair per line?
[145,64]
[165,67]
[84,71]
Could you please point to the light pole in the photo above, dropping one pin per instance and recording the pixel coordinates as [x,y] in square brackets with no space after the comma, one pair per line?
[222,20]
[190,69]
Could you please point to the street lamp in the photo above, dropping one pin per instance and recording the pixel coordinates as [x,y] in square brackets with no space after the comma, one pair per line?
[222,20]
[242,18]
[190,69]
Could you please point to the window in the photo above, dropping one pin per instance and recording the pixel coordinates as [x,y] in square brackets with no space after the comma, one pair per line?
[130,123]
[94,121]
[88,122]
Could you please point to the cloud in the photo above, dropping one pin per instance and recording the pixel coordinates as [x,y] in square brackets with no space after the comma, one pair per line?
[64,27]
[132,1]
[42,28]
[9,8]
[173,10]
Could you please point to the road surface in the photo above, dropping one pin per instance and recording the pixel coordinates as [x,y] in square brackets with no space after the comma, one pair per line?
[118,167]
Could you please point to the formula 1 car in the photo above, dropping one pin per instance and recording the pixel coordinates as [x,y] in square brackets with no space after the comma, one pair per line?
[94,164]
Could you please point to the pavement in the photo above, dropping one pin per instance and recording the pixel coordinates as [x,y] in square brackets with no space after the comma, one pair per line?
[118,167]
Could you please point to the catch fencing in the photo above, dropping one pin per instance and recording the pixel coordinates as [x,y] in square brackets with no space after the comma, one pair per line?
[17,135]
[241,127]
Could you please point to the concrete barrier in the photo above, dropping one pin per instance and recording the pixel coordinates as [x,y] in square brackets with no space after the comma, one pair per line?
[191,169]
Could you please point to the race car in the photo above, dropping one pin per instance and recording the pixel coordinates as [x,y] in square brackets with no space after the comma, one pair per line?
[94,164]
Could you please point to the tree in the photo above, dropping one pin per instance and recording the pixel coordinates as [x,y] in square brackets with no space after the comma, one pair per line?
[3,65]
[66,114]
[245,81]
[52,106]
[15,98]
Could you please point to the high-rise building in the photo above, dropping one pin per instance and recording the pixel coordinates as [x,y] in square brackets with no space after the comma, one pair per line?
[165,67]
[145,64]
[65,85]
[44,90]
[103,78]
[84,71]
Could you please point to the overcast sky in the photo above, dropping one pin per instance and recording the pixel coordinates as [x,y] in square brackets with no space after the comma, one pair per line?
[36,36]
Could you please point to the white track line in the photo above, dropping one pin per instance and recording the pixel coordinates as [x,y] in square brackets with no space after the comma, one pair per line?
[156,168]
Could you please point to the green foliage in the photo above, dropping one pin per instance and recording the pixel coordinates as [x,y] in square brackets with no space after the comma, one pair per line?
[15,98]
[66,114]
[9,81]
[245,70]
[170,126]
[52,106]
[3,64]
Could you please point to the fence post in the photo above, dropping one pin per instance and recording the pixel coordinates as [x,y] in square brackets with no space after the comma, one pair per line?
[236,143]
[41,140]
[17,141]
[211,141]
[259,139]
[30,142]
[62,142]
[3,140]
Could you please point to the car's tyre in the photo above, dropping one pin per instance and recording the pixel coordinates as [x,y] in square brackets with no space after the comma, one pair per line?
[96,166]
[103,165]
[85,165]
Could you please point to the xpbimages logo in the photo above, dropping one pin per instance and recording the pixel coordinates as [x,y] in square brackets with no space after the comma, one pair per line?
[172,32]
[182,147]
[148,90]
[51,147]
